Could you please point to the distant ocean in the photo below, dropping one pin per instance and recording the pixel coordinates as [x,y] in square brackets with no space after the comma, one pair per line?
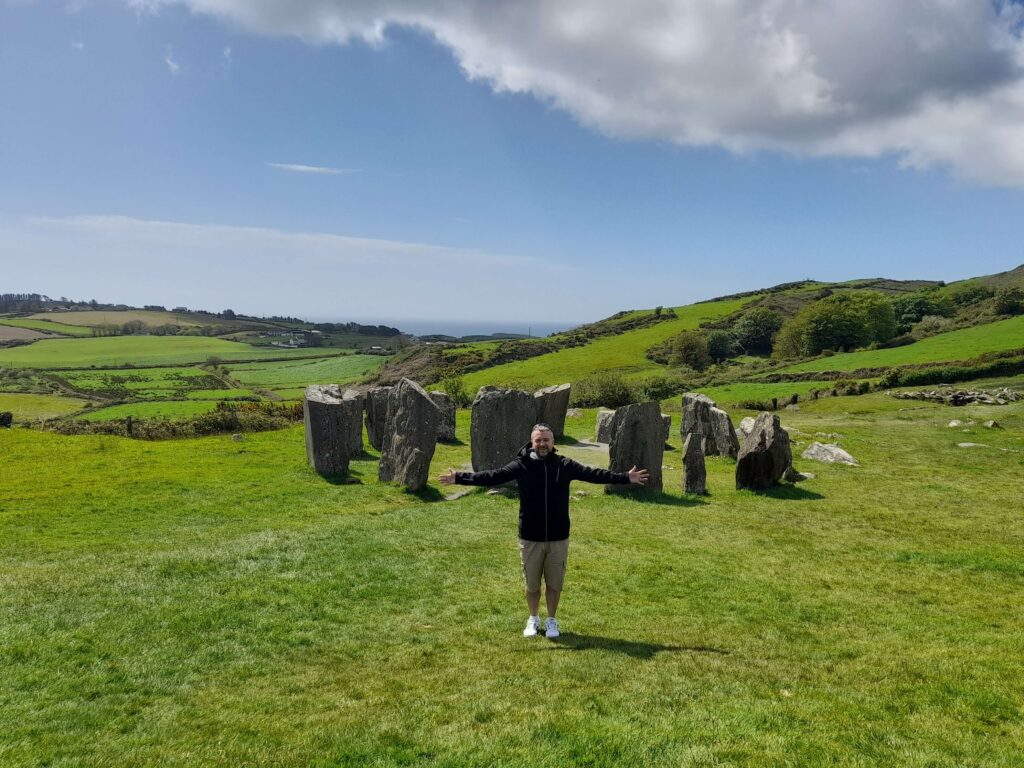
[460,327]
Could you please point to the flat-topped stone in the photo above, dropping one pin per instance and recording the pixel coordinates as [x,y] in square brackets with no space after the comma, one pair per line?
[500,424]
[552,405]
[332,417]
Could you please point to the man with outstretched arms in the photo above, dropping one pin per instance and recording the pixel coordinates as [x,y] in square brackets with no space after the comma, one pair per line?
[543,476]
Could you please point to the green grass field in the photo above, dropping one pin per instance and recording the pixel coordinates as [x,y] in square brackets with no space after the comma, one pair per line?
[47,326]
[290,374]
[144,382]
[27,408]
[624,353]
[212,602]
[163,409]
[113,351]
[955,345]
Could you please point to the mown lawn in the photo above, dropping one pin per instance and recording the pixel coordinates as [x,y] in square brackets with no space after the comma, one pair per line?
[212,602]
[135,350]
[26,407]
[624,353]
[955,345]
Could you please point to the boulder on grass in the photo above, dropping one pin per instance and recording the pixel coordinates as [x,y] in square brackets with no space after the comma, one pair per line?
[604,423]
[552,404]
[636,440]
[377,415]
[829,453]
[765,456]
[331,417]
[446,413]
[410,436]
[702,417]
[695,476]
[500,425]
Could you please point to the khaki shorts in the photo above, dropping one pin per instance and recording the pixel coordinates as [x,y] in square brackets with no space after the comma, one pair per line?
[547,557]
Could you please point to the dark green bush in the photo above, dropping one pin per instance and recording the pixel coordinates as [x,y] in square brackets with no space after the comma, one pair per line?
[602,389]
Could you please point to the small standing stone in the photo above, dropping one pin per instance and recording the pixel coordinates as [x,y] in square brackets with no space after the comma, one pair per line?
[637,440]
[331,418]
[604,423]
[666,419]
[446,412]
[377,415]
[552,404]
[6,418]
[500,425]
[695,474]
[765,456]
[410,436]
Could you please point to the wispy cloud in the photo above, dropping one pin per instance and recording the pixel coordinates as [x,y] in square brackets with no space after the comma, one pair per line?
[322,169]
[78,45]
[227,54]
[172,65]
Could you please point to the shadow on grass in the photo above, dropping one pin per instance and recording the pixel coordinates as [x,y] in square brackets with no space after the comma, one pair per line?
[571,641]
[791,492]
[453,441]
[352,478]
[566,440]
[665,499]
[428,493]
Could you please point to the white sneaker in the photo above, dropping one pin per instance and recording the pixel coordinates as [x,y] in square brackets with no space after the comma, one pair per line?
[532,627]
[551,628]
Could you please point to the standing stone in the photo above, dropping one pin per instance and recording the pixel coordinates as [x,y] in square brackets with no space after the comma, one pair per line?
[355,434]
[446,415]
[604,423]
[552,403]
[666,419]
[6,418]
[500,425]
[695,475]
[331,418]
[410,437]
[637,440]
[765,456]
[377,415]
[702,417]
[746,426]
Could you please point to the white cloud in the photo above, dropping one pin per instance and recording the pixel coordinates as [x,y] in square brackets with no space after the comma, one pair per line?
[172,66]
[78,45]
[935,82]
[263,270]
[321,169]
[227,55]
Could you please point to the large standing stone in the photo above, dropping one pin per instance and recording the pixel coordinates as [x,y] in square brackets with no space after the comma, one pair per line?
[331,418]
[410,437]
[6,419]
[356,432]
[552,403]
[604,423]
[702,417]
[377,415]
[500,425]
[695,475]
[446,414]
[765,456]
[666,419]
[637,440]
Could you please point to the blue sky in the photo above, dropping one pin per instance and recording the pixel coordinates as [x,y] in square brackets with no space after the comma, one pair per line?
[500,162]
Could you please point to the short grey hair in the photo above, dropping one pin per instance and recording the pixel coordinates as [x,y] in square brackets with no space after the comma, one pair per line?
[542,427]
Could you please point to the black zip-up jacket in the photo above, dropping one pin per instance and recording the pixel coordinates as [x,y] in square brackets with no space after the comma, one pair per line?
[543,489]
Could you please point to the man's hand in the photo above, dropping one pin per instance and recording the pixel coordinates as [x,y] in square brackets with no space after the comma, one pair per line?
[448,478]
[638,476]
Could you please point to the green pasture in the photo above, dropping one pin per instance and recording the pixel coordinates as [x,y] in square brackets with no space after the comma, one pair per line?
[107,317]
[954,345]
[623,353]
[726,395]
[27,408]
[152,409]
[215,602]
[47,326]
[144,382]
[219,394]
[112,351]
[341,369]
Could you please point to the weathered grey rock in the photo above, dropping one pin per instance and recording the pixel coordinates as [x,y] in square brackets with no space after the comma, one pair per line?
[446,414]
[955,423]
[828,453]
[666,419]
[552,404]
[637,440]
[410,437]
[702,417]
[765,456]
[500,425]
[6,418]
[747,425]
[604,423]
[356,432]
[331,418]
[695,475]
[377,415]
[992,424]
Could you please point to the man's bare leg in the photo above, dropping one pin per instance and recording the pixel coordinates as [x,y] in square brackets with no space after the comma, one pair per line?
[533,601]
[551,597]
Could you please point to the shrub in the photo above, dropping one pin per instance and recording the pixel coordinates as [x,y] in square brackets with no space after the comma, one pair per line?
[1010,301]
[840,321]
[890,378]
[455,388]
[658,387]
[755,330]
[721,345]
[690,348]
[607,389]
[970,294]
[931,325]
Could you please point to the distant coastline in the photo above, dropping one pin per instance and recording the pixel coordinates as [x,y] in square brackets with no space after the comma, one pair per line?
[420,327]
